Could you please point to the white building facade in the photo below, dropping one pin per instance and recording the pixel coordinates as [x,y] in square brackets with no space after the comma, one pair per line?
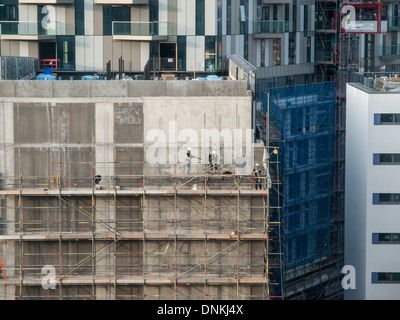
[372,193]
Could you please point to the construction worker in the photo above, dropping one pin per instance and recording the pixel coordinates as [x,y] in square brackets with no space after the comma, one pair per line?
[257,176]
[188,159]
[212,159]
[348,18]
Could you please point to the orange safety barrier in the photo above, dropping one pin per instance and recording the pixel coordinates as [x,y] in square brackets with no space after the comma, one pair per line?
[2,269]
[50,63]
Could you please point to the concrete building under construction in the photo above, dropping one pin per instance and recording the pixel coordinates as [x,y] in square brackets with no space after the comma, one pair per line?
[86,215]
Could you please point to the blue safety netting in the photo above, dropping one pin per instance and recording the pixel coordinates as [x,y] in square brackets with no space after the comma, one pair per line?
[302,126]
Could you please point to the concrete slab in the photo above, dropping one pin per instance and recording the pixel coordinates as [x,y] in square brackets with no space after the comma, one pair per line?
[7,88]
[33,88]
[146,88]
[108,89]
[224,88]
[71,89]
[180,88]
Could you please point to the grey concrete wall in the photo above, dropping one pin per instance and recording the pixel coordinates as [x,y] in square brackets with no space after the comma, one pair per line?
[89,134]
[75,129]
[121,89]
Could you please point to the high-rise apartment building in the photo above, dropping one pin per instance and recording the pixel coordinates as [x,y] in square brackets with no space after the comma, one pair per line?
[175,35]
[288,43]
[94,206]
[372,189]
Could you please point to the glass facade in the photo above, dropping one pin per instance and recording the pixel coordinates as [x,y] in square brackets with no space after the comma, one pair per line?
[210,54]
[66,52]
[154,55]
[244,13]
[200,17]
[181,42]
[9,12]
[79,18]
[228,16]
[116,13]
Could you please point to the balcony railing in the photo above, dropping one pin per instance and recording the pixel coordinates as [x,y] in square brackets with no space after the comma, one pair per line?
[267,26]
[143,29]
[392,50]
[35,28]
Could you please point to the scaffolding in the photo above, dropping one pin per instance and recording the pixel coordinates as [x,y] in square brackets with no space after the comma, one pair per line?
[301,122]
[202,236]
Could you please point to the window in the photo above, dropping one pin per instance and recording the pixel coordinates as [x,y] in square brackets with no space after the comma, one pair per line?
[384,238]
[153,16]
[9,13]
[308,49]
[154,55]
[210,53]
[228,16]
[386,198]
[181,43]
[387,118]
[292,48]
[219,17]
[111,14]
[200,18]
[286,17]
[262,53]
[66,52]
[294,18]
[385,277]
[79,18]
[244,9]
[275,18]
[305,17]
[276,52]
[386,158]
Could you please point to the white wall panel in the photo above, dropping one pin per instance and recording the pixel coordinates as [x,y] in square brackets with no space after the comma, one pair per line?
[24,48]
[163,10]
[285,49]
[302,17]
[89,53]
[60,16]
[312,49]
[362,45]
[268,51]
[181,17]
[191,17]
[190,53]
[312,17]
[228,45]
[251,10]
[210,17]
[80,53]
[200,47]
[98,53]
[144,54]
[223,17]
[88,7]
[258,53]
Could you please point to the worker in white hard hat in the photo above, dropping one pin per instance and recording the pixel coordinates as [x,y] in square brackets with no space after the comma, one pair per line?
[212,159]
[257,174]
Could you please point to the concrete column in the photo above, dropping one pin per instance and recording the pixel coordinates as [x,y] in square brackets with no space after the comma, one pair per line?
[105,293]
[7,291]
[105,269]
[7,142]
[104,166]
[104,141]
